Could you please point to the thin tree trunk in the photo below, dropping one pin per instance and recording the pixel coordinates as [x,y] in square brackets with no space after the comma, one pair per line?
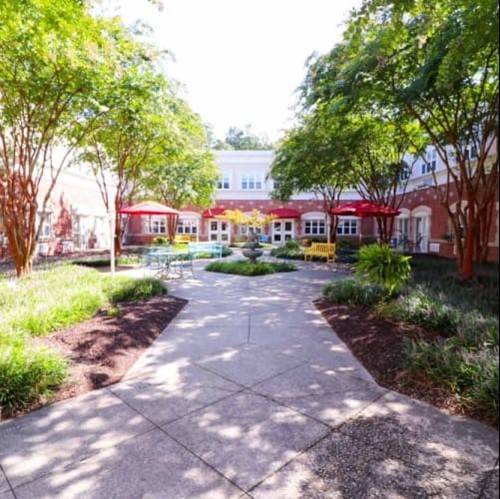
[467,271]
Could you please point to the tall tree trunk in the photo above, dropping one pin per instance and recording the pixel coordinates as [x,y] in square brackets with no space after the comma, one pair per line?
[485,220]
[467,270]
[172,228]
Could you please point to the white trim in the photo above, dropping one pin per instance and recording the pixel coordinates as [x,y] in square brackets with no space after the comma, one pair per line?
[313,215]
[186,215]
[421,211]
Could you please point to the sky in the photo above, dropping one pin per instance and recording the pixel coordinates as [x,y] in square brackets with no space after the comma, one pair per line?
[241,61]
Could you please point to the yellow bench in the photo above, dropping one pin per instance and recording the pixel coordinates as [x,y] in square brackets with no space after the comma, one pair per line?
[326,250]
[184,238]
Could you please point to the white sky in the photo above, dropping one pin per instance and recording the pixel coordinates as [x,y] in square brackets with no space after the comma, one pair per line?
[241,60]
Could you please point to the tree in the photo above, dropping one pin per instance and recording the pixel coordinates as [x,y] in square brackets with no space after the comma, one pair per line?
[254,221]
[372,152]
[187,175]
[243,140]
[439,63]
[136,133]
[54,56]
[304,163]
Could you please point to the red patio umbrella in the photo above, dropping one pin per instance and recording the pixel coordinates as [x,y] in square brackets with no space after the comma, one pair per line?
[364,209]
[149,208]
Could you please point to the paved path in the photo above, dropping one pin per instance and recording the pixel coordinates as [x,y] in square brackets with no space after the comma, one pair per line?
[248,393]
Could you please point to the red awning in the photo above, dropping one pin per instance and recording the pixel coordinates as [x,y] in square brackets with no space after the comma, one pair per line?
[364,209]
[284,213]
[148,208]
[213,212]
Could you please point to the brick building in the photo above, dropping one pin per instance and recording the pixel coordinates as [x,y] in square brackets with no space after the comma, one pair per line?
[422,226]
[76,218]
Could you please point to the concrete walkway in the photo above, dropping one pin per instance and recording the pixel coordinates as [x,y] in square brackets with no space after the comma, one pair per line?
[248,393]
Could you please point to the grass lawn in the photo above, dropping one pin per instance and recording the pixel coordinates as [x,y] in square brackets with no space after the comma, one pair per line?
[44,302]
[246,268]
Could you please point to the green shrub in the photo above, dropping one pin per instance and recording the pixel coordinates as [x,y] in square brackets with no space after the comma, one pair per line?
[380,265]
[127,289]
[471,374]
[290,250]
[26,374]
[106,262]
[160,240]
[93,263]
[354,292]
[246,268]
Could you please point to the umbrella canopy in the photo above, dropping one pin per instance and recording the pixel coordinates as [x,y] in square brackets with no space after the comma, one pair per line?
[364,209]
[149,208]
[213,212]
[284,213]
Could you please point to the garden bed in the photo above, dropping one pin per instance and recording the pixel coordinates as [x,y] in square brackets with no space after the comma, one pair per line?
[102,349]
[378,344]
[246,268]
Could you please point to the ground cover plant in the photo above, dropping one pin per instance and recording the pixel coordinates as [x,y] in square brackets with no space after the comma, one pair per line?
[246,268]
[290,250]
[456,348]
[45,302]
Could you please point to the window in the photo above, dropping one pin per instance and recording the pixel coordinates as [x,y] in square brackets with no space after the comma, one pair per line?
[158,225]
[244,230]
[187,226]
[224,182]
[46,229]
[251,181]
[314,228]
[471,152]
[404,175]
[431,163]
[347,227]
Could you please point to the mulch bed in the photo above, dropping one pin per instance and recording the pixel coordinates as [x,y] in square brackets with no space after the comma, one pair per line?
[102,349]
[378,344]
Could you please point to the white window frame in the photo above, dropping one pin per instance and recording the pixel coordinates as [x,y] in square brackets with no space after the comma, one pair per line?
[348,226]
[252,182]
[187,226]
[46,227]
[314,227]
[224,182]
[157,224]
[430,165]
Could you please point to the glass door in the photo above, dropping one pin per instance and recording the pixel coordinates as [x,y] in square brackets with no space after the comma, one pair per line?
[219,231]
[283,230]
[421,235]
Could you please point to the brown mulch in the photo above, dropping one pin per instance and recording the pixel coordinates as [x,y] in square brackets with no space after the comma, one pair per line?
[102,349]
[377,343]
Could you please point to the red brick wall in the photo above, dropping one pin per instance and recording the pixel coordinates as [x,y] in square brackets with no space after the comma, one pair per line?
[439,223]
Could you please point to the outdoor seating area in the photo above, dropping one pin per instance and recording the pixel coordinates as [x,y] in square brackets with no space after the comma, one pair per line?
[166,263]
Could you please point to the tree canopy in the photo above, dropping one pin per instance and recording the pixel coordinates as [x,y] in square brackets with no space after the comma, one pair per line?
[242,140]
[428,74]
[54,58]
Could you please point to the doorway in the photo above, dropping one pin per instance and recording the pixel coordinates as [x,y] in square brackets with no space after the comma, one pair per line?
[219,231]
[283,230]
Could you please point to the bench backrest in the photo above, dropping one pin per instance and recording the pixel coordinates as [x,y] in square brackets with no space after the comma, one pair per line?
[183,238]
[323,247]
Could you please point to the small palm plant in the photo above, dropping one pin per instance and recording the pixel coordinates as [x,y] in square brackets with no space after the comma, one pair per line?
[379,264]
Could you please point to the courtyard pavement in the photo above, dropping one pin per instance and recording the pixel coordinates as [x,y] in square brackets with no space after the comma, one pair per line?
[247,393]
